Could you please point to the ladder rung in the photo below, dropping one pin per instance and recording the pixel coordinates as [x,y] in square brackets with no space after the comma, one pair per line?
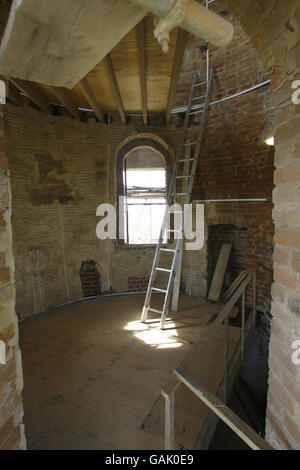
[196,105]
[197,112]
[199,84]
[154,310]
[199,97]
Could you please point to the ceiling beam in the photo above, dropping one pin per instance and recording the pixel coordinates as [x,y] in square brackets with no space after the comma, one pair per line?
[141,44]
[33,92]
[115,87]
[91,98]
[64,97]
[181,41]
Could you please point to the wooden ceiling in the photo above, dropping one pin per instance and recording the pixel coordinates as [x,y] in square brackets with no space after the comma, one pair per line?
[135,77]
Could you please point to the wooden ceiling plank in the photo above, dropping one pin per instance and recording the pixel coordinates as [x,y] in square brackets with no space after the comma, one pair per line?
[91,98]
[32,91]
[141,44]
[64,97]
[115,87]
[181,41]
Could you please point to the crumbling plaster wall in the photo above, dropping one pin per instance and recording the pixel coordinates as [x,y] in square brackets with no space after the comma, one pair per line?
[61,171]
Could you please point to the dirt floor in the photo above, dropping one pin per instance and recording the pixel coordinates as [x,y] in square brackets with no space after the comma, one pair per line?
[93,374]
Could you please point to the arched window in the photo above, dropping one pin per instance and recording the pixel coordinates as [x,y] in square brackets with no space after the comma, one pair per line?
[145,191]
[143,170]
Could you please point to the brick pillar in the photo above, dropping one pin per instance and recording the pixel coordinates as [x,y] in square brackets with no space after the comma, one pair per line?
[11,408]
[283,411]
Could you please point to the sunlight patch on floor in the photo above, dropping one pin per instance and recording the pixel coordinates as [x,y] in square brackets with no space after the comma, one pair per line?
[153,336]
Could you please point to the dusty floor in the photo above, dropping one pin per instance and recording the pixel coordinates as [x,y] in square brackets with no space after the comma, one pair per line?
[93,374]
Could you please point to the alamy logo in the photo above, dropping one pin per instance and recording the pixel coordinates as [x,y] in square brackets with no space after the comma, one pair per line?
[296,94]
[182,223]
[296,353]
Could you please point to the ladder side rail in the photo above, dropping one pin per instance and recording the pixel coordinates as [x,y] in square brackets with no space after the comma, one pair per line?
[179,243]
[199,140]
[169,199]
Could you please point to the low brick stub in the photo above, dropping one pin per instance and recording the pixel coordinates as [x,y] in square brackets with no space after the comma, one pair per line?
[11,409]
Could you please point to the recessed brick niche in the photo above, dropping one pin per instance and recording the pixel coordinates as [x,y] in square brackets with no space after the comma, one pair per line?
[90,279]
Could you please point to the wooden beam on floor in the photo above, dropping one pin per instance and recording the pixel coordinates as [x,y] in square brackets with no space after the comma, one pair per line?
[115,87]
[91,98]
[141,44]
[31,90]
[181,41]
[64,97]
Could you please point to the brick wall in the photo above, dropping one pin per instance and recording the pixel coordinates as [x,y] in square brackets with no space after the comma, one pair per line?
[235,162]
[11,410]
[275,28]
[137,284]
[90,279]
[61,170]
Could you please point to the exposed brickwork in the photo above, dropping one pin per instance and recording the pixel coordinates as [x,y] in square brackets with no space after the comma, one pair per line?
[11,410]
[274,26]
[235,162]
[90,279]
[137,284]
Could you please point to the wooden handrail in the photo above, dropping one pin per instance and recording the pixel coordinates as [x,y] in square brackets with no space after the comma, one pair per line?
[173,383]
[242,429]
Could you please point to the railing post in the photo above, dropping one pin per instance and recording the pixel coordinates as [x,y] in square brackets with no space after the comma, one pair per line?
[226,326]
[243,324]
[169,422]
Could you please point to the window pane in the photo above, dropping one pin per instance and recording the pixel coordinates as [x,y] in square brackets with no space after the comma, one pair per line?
[146,178]
[145,219]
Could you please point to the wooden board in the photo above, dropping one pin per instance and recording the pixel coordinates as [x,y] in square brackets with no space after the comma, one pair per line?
[58,42]
[124,58]
[218,279]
